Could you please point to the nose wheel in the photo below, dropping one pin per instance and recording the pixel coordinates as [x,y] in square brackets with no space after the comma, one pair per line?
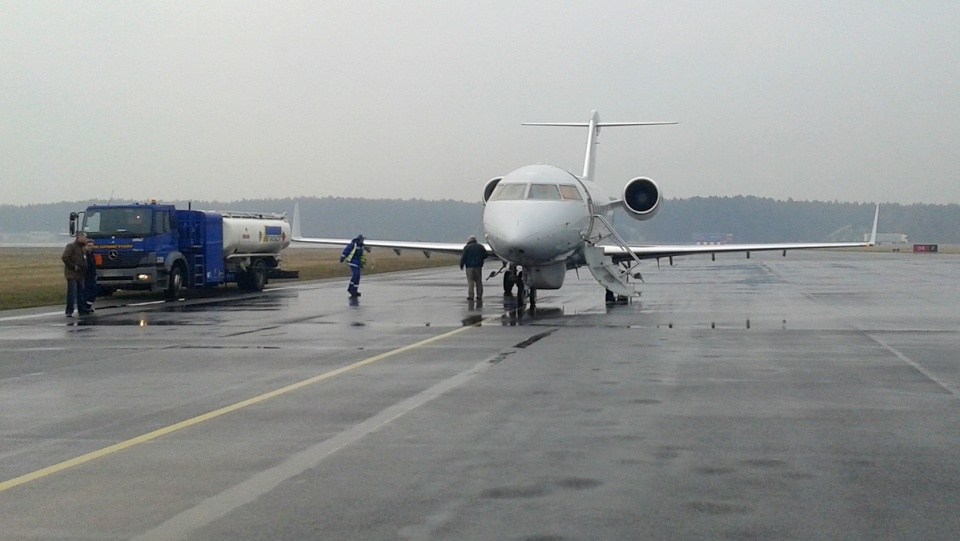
[513,277]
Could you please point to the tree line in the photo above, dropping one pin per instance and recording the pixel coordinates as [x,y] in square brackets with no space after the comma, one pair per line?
[745,218]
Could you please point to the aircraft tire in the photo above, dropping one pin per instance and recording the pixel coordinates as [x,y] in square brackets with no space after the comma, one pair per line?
[508,282]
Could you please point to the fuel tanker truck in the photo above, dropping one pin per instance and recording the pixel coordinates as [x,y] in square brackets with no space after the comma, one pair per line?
[157,247]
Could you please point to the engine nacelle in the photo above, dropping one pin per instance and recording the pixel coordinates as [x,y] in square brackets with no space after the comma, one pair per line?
[641,198]
[489,187]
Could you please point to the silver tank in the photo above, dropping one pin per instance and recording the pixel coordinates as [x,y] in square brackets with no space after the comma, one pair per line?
[254,233]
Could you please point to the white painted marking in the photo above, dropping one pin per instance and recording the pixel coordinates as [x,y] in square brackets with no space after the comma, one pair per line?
[32,316]
[215,507]
[916,366]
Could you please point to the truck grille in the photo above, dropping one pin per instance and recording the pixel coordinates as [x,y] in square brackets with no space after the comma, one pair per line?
[121,260]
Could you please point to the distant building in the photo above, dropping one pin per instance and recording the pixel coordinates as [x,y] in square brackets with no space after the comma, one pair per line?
[712,238]
[888,238]
[33,238]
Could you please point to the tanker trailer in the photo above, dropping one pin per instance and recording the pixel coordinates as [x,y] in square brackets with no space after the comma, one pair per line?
[251,246]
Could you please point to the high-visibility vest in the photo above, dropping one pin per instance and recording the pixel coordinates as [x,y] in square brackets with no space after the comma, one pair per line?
[363,255]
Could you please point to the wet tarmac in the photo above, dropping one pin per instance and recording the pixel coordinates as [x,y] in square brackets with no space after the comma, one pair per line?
[810,397]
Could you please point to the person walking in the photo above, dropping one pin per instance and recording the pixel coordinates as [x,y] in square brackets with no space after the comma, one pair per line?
[90,278]
[74,270]
[472,258]
[356,257]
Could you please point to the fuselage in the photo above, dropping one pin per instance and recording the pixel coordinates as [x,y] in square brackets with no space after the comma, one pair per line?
[539,215]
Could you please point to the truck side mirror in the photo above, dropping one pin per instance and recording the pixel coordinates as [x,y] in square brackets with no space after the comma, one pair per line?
[74,223]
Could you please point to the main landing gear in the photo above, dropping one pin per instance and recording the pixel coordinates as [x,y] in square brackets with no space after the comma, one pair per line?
[613,298]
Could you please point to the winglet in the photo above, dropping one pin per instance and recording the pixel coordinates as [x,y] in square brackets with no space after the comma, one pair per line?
[296,222]
[873,233]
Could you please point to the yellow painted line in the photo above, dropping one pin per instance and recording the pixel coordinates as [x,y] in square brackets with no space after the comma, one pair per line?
[67,464]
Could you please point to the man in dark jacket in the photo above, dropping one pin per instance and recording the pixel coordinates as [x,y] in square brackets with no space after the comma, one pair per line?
[74,270]
[356,257]
[472,258]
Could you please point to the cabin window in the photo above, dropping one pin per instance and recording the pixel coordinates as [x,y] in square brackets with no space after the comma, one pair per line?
[570,192]
[161,222]
[508,192]
[544,192]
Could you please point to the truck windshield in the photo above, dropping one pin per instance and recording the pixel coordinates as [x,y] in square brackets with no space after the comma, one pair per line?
[118,222]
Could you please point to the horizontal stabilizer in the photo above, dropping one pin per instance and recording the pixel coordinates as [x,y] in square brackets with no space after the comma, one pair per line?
[594,125]
[599,125]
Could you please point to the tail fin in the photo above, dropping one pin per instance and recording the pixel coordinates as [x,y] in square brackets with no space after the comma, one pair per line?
[592,138]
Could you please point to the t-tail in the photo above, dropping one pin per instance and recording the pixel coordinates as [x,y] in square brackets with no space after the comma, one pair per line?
[589,161]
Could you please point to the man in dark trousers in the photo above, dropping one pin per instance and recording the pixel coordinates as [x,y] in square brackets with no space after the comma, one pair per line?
[472,258]
[74,270]
[356,257]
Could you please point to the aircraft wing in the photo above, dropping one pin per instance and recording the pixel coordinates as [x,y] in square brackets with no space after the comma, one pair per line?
[626,253]
[619,253]
[396,245]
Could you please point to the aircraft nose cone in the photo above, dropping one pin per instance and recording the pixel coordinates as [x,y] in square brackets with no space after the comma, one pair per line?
[528,239]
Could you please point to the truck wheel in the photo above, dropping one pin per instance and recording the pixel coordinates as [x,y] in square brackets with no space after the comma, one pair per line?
[175,283]
[258,276]
[244,280]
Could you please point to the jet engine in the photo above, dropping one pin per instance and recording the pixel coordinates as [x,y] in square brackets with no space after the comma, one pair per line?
[489,187]
[641,198]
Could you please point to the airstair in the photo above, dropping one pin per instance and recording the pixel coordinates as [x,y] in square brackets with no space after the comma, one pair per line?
[613,276]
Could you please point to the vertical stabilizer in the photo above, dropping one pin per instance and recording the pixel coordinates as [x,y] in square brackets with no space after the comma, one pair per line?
[593,139]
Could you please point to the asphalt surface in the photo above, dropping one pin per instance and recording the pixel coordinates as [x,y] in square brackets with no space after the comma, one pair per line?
[810,397]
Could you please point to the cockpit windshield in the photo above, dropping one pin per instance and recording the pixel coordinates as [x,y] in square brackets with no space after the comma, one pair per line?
[570,192]
[118,222]
[544,192]
[509,192]
[539,192]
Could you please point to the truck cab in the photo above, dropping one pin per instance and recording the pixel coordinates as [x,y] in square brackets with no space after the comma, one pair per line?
[132,244]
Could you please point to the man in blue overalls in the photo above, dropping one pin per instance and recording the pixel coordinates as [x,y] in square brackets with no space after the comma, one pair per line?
[356,257]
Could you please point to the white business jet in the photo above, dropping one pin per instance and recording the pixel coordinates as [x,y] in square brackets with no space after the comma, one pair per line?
[546,221]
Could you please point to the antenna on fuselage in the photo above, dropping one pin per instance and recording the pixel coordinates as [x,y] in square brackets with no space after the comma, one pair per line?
[589,161]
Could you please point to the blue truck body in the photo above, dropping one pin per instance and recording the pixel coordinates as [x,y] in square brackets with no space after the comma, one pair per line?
[157,247]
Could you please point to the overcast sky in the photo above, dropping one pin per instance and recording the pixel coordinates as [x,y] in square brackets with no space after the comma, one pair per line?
[849,100]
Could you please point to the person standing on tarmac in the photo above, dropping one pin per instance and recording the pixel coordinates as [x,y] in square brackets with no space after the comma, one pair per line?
[472,258]
[90,278]
[356,257]
[74,270]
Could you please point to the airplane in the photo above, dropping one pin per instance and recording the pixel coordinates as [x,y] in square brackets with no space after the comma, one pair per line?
[545,220]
